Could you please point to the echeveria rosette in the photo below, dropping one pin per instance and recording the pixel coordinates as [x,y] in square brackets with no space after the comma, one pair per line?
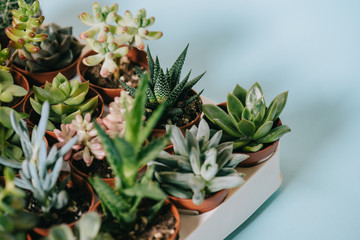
[248,122]
[107,53]
[200,165]
[67,99]
[134,30]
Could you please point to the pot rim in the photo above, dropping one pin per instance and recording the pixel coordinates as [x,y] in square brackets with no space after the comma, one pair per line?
[23,79]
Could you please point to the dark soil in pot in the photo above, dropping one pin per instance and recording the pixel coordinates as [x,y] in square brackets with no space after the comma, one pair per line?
[127,75]
[100,168]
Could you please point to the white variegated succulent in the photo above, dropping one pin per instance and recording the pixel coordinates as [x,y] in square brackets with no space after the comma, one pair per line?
[200,166]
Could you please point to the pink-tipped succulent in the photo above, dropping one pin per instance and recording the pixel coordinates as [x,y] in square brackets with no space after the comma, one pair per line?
[133,30]
[88,145]
[23,31]
[114,122]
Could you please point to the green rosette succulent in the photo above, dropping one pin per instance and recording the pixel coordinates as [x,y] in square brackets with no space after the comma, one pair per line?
[9,90]
[59,50]
[67,99]
[248,122]
[200,166]
[165,87]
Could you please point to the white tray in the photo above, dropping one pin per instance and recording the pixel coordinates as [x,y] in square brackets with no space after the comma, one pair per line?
[261,182]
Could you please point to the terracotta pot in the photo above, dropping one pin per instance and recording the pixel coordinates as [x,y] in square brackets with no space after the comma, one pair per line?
[173,209]
[208,204]
[261,155]
[20,80]
[33,116]
[75,182]
[135,55]
[159,132]
[40,78]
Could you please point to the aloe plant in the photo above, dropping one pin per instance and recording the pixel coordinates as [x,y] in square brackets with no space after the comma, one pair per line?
[167,88]
[67,99]
[39,171]
[57,51]
[111,37]
[125,156]
[9,90]
[248,122]
[200,166]
[14,221]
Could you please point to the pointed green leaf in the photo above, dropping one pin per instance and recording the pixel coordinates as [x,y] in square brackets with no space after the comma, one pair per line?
[234,107]
[274,134]
[263,130]
[253,95]
[240,93]
[246,127]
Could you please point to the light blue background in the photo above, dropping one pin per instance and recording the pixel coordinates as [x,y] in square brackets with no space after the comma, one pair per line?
[309,47]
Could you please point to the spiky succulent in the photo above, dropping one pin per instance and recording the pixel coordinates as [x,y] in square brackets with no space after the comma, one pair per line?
[23,32]
[67,99]
[59,50]
[14,221]
[200,166]
[114,122]
[248,122]
[9,90]
[125,156]
[167,88]
[39,171]
[88,144]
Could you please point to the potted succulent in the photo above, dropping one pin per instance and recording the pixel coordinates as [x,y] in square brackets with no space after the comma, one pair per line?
[246,120]
[200,172]
[55,196]
[41,51]
[88,158]
[131,206]
[183,105]
[14,221]
[67,99]
[110,60]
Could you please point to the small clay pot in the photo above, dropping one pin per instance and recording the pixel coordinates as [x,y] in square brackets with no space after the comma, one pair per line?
[159,132]
[173,209]
[261,155]
[20,80]
[33,116]
[83,186]
[208,204]
[135,55]
[40,78]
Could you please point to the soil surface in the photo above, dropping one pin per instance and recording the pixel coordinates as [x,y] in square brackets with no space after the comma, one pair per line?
[100,168]
[77,205]
[127,75]
[161,228]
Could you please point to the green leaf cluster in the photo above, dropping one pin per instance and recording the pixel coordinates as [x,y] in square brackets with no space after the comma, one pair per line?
[14,221]
[200,166]
[67,99]
[126,156]
[9,90]
[247,121]
[165,87]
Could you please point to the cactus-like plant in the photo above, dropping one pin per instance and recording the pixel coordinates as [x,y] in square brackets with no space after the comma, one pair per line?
[9,90]
[166,87]
[39,171]
[125,156]
[88,144]
[200,167]
[59,50]
[14,221]
[248,122]
[110,37]
[67,99]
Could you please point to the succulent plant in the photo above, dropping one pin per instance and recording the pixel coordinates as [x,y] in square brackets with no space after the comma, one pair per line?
[4,56]
[125,156]
[200,166]
[114,122]
[9,90]
[39,171]
[87,228]
[167,88]
[67,99]
[59,50]
[14,222]
[248,122]
[88,144]
[23,32]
